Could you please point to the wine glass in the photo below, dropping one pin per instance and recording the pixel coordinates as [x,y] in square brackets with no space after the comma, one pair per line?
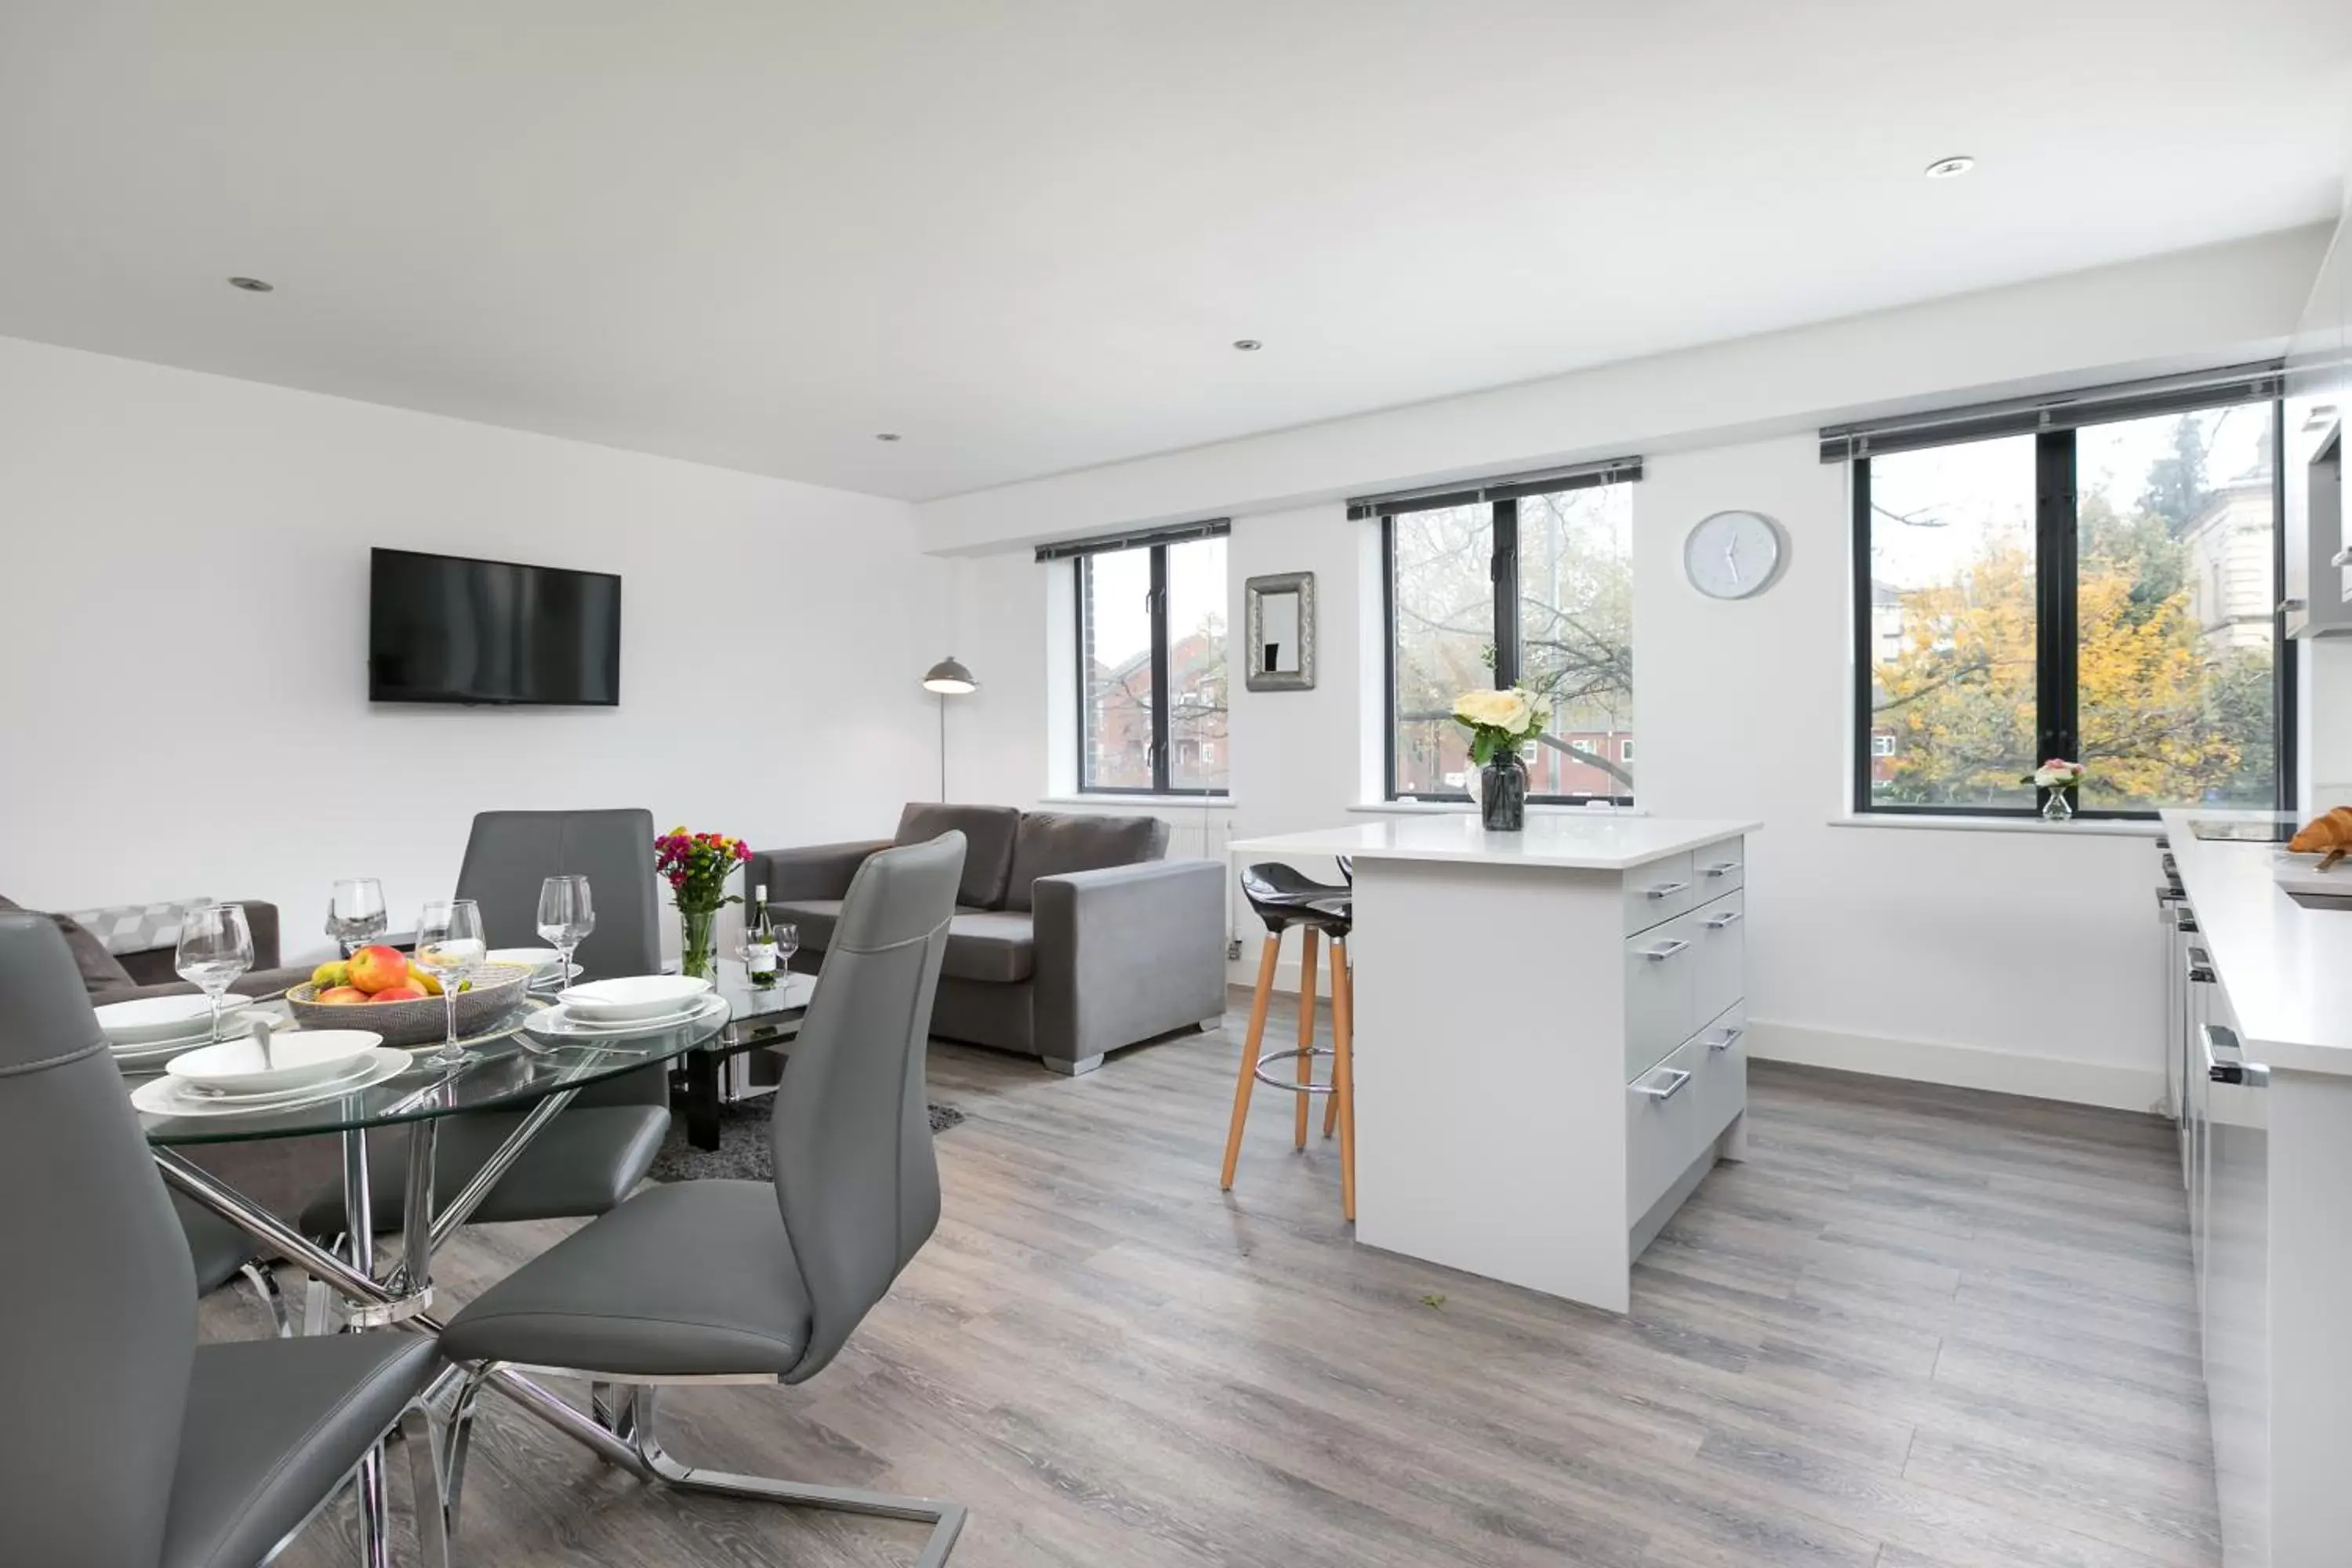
[788,943]
[566,917]
[449,947]
[215,947]
[356,913]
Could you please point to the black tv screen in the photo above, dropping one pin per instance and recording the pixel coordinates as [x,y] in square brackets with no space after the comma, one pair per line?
[442,628]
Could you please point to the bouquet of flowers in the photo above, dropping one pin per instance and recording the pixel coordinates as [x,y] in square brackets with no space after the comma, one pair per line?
[1500,722]
[698,866]
[2056,774]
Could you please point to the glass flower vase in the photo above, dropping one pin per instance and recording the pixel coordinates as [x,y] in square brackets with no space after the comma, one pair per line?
[2058,807]
[697,952]
[1503,793]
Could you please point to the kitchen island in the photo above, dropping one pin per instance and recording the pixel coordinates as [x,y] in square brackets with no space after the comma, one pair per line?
[2259,1062]
[1549,1032]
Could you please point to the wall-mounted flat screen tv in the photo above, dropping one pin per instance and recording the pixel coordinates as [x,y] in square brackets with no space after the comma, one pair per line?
[443,628]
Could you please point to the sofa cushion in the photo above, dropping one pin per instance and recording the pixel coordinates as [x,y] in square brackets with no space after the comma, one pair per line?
[991,945]
[988,831]
[1053,843]
[101,972]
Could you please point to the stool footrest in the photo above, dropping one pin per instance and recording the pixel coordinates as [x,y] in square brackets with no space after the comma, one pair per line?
[1295,1087]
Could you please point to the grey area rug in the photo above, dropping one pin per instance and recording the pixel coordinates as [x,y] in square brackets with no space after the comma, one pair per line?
[742,1152]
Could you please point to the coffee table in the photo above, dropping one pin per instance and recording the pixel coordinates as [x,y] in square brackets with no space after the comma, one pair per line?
[746,1057]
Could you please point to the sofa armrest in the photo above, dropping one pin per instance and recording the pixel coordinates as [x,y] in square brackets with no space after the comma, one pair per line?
[812,870]
[1127,953]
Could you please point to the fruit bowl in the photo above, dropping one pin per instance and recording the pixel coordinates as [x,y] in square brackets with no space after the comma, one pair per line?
[497,989]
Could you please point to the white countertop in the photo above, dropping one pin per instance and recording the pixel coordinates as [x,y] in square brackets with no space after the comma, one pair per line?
[1600,842]
[2288,969]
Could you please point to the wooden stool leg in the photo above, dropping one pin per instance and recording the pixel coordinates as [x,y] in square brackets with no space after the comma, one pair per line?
[1340,978]
[1262,999]
[1343,1071]
[1305,1030]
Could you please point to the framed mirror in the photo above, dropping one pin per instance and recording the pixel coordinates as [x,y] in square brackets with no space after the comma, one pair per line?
[1279,612]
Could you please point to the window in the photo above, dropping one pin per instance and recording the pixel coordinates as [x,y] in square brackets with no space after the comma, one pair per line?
[2106,592]
[1532,586]
[1152,668]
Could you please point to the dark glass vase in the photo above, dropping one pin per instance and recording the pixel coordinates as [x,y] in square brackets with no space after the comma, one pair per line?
[1503,793]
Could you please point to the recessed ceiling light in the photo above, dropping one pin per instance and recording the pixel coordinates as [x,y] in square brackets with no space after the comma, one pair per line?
[885,436]
[1248,345]
[1950,168]
[251,285]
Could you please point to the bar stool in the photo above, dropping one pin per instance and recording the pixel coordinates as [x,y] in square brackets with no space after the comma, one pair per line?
[1283,898]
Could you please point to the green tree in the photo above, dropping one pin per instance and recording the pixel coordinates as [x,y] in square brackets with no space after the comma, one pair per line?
[2176,488]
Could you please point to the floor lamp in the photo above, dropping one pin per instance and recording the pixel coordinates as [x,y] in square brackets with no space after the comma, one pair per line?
[945,679]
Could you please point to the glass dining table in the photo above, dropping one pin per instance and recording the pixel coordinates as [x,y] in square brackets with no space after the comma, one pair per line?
[518,1071]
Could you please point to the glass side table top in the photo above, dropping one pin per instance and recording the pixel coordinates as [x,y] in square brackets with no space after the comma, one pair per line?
[783,1001]
[509,1072]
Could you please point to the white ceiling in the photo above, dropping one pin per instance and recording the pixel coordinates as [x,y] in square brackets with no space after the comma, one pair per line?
[1024,233]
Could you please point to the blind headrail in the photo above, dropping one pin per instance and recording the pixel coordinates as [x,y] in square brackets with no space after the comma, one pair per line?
[2053,411]
[1502,487]
[1171,533]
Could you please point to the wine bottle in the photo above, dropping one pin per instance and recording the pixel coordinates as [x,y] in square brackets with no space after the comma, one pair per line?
[759,941]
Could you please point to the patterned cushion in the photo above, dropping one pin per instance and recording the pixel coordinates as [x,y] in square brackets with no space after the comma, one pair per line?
[137,928]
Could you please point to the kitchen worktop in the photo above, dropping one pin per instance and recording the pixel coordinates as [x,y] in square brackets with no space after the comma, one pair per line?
[2288,967]
[1603,841]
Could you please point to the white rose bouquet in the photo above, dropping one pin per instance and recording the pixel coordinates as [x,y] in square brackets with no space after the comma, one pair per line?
[1501,721]
[2057,774]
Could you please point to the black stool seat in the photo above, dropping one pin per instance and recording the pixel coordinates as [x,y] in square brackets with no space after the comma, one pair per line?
[1284,896]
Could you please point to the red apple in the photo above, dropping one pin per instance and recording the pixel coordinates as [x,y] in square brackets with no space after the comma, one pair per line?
[374,968]
[342,995]
[401,993]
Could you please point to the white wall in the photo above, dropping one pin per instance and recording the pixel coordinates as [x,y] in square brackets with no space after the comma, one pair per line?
[183,587]
[2021,961]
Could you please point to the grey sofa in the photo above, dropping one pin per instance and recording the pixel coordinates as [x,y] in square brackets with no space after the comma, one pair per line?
[1072,934]
[126,973]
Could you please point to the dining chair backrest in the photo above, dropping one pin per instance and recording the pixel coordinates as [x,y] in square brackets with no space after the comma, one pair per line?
[510,853]
[98,1322]
[851,1132]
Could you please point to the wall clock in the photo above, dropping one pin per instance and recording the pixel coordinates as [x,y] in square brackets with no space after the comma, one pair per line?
[1734,554]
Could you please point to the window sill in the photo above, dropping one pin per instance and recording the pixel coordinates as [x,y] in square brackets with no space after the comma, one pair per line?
[1156,802]
[1463,808]
[2080,828]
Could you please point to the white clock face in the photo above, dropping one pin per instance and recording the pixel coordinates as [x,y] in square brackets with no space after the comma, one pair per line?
[1733,554]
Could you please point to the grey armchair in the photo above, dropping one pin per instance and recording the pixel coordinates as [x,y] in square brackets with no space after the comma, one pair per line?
[1072,935]
[137,1448]
[753,1282]
[601,1145]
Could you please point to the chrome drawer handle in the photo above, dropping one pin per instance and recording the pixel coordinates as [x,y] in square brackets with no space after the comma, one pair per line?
[1659,955]
[1721,869]
[2234,1068]
[1727,917]
[1679,1076]
[1665,889]
[1732,1035]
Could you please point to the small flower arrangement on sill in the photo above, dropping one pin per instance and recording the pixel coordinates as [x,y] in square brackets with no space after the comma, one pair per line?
[1501,723]
[697,866]
[2058,778]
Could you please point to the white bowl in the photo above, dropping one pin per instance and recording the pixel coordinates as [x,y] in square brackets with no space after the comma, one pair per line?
[538,960]
[637,996]
[302,1058]
[151,1020]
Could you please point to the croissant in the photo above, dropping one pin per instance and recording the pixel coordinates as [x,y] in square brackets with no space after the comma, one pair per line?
[2328,837]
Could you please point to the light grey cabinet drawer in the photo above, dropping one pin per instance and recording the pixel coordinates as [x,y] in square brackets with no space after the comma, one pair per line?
[1674,1111]
[1719,954]
[1718,868]
[1657,891]
[1660,1009]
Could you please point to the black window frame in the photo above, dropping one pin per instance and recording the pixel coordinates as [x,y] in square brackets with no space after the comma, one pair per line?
[1156,602]
[1503,573]
[2057,633]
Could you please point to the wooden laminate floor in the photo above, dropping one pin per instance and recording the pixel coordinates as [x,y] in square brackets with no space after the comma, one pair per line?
[1921,1328]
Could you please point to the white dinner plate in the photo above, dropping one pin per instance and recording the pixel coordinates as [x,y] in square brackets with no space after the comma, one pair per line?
[297,1059]
[637,996]
[558,1022]
[150,1020]
[168,1096]
[235,1026]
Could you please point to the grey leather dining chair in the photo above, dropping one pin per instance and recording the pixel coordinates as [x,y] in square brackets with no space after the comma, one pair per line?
[738,1282]
[601,1145]
[132,1445]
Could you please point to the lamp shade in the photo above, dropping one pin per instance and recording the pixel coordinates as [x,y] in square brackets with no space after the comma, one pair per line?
[949,679]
